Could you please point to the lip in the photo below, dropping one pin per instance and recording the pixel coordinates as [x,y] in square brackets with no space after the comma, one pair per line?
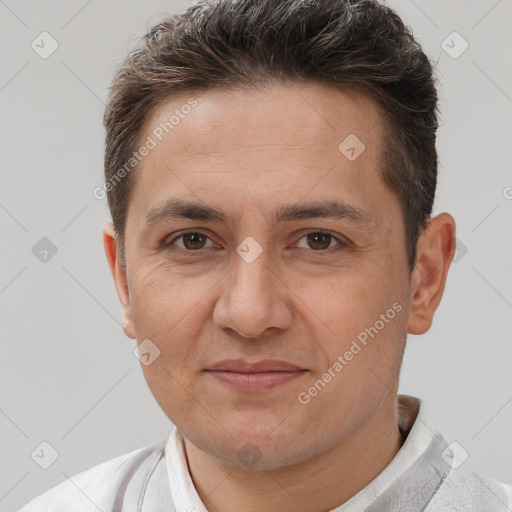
[265,365]
[245,376]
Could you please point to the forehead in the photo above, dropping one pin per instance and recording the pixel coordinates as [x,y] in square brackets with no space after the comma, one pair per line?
[275,143]
[304,116]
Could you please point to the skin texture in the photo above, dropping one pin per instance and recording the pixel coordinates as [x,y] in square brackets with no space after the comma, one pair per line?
[303,300]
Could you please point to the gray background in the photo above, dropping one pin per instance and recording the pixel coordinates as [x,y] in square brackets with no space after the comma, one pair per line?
[68,374]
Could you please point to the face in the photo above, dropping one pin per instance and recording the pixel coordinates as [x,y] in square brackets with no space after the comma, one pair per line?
[268,267]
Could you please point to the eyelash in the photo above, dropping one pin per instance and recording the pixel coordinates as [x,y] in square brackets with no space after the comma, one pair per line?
[170,245]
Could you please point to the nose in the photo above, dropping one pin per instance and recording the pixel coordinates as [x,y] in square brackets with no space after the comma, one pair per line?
[253,299]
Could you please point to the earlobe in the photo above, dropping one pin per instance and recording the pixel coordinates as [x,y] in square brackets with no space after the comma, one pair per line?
[119,276]
[435,251]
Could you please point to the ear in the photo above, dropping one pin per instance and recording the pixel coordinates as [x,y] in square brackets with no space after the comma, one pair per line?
[119,275]
[435,252]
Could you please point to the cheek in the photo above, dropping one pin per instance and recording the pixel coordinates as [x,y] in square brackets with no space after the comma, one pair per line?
[161,297]
[362,318]
[173,390]
[171,312]
[345,303]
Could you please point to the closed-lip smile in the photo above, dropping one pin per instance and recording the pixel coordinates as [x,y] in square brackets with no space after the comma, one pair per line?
[246,376]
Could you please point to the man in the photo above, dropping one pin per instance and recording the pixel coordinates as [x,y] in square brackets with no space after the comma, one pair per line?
[271,170]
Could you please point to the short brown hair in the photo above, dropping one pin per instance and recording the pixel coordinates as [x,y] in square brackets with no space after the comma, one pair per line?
[355,45]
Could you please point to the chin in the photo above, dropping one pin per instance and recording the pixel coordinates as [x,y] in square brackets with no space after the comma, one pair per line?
[252,449]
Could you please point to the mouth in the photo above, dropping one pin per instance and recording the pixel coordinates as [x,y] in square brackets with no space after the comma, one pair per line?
[245,376]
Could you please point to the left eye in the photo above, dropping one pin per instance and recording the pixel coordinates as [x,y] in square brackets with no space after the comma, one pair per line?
[319,241]
[192,241]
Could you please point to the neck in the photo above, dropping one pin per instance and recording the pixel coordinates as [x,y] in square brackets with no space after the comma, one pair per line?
[316,485]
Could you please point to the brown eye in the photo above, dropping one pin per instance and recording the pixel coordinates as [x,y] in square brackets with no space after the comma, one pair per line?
[193,240]
[319,241]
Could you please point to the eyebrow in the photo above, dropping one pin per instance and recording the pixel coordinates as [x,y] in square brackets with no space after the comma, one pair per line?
[331,209]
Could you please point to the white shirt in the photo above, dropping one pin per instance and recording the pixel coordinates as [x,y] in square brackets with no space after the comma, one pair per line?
[426,475]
